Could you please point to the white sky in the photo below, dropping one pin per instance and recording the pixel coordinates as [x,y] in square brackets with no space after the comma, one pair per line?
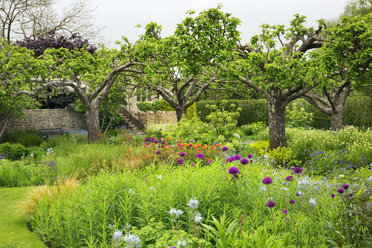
[119,17]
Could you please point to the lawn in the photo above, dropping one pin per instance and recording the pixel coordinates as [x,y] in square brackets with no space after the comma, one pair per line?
[13,229]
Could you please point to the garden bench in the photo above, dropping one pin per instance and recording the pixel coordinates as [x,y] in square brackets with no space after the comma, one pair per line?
[48,133]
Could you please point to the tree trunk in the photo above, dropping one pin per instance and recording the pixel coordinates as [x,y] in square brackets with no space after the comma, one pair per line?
[276,122]
[92,118]
[337,118]
[180,112]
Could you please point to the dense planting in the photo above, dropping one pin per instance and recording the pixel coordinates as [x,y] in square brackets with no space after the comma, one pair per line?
[159,191]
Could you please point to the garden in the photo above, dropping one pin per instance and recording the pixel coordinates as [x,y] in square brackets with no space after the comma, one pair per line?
[272,146]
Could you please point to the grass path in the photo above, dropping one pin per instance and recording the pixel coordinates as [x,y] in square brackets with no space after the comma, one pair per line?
[13,230]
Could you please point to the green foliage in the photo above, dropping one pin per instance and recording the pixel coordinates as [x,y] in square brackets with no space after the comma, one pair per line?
[191,111]
[254,128]
[223,121]
[27,138]
[14,151]
[159,105]
[357,111]
[280,155]
[252,110]
[194,128]
[348,139]
[297,116]
[19,174]
[143,200]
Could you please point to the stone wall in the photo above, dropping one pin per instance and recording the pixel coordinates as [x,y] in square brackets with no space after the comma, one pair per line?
[48,119]
[160,117]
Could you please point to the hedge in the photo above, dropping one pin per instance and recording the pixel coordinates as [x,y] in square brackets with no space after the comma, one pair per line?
[357,112]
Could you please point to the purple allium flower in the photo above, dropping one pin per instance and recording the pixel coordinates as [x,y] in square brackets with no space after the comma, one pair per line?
[286,219]
[270,204]
[341,191]
[234,170]
[172,247]
[237,157]
[193,165]
[284,211]
[333,195]
[351,195]
[231,159]
[297,170]
[191,140]
[182,154]
[249,155]
[160,157]
[291,201]
[163,142]
[244,161]
[225,148]
[200,155]
[299,193]
[180,161]
[345,186]
[156,141]
[289,178]
[267,180]
[147,139]
[210,161]
[158,152]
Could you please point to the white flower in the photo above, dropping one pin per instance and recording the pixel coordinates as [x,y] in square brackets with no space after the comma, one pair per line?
[152,188]
[312,201]
[193,203]
[160,177]
[263,188]
[131,191]
[284,188]
[236,135]
[117,236]
[132,240]
[198,218]
[175,212]
[31,155]
[181,243]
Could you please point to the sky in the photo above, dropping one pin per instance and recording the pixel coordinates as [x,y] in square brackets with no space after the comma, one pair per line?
[119,17]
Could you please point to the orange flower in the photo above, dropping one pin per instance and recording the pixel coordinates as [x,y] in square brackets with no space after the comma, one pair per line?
[149,149]
[148,155]
[212,146]
[218,145]
[167,139]
[140,153]
[179,141]
[205,146]
[126,154]
[134,158]
[129,150]
[100,134]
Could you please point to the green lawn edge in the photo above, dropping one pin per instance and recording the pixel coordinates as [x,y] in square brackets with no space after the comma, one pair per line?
[13,229]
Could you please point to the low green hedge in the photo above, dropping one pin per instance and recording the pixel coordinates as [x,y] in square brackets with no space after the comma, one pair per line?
[357,112]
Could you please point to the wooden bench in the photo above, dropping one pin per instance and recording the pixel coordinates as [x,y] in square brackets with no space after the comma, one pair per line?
[48,133]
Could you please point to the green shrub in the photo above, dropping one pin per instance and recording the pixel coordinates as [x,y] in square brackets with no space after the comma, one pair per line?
[254,128]
[14,151]
[252,110]
[357,112]
[191,111]
[223,120]
[159,105]
[27,138]
[297,116]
